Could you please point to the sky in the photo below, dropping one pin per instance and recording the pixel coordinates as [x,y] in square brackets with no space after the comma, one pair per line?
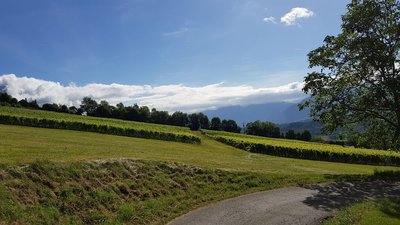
[178,55]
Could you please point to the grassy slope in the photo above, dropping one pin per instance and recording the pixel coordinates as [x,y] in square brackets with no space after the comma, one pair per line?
[26,144]
[119,192]
[378,212]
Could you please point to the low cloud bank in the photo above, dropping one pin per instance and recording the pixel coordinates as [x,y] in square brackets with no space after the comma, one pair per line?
[166,97]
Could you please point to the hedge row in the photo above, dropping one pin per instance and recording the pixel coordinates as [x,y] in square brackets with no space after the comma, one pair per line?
[293,152]
[104,129]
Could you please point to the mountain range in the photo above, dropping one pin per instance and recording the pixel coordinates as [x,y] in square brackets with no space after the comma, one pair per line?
[279,112]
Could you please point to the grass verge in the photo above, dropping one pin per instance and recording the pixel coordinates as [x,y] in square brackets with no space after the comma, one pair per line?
[374,212]
[121,191]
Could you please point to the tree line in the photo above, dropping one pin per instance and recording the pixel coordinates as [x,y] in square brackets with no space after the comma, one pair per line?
[194,121]
[91,107]
[268,129]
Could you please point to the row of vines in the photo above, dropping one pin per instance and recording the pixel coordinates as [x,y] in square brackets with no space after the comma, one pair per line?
[307,150]
[104,129]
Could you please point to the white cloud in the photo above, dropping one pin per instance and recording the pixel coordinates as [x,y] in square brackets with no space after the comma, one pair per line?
[270,19]
[165,97]
[291,17]
[176,33]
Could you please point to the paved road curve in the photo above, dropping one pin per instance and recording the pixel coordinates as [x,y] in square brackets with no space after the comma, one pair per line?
[292,206]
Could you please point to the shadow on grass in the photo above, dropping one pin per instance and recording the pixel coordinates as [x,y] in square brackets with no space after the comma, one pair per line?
[388,175]
[349,189]
[390,207]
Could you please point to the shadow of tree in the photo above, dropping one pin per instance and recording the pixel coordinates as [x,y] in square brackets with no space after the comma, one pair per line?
[330,197]
[387,175]
[391,208]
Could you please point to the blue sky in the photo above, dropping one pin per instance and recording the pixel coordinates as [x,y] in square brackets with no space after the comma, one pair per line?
[164,42]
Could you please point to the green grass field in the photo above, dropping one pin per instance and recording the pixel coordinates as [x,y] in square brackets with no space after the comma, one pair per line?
[54,176]
[27,144]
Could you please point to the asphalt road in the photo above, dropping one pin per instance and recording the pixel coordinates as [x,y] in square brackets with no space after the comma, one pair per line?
[306,205]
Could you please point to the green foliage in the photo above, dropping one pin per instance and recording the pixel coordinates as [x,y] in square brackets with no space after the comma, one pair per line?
[194,121]
[306,136]
[378,135]
[215,123]
[290,134]
[265,129]
[198,121]
[51,107]
[230,126]
[28,103]
[312,126]
[179,119]
[306,150]
[89,105]
[7,99]
[358,79]
[159,117]
[204,121]
[27,117]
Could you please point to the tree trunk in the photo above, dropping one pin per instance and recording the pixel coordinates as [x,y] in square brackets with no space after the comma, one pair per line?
[396,139]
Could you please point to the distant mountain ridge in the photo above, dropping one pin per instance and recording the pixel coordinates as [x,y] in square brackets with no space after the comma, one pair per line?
[300,126]
[278,112]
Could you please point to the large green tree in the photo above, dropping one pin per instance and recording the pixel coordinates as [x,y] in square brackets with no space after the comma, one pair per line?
[266,129]
[89,105]
[215,123]
[358,80]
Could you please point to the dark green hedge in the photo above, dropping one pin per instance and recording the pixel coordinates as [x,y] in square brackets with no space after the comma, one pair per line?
[348,157]
[104,129]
